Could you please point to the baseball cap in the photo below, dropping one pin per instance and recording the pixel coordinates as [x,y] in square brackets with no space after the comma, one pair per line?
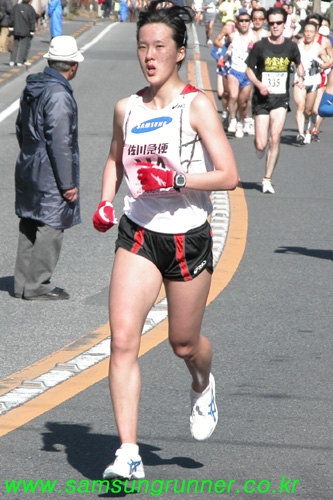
[64,48]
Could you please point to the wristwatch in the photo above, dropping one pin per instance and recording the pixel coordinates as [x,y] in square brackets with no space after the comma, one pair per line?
[179,181]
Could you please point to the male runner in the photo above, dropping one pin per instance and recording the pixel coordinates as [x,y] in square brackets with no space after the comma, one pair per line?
[314,60]
[268,68]
[258,18]
[239,85]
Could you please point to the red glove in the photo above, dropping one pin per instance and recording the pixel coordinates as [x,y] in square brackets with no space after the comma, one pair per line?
[220,62]
[153,178]
[104,217]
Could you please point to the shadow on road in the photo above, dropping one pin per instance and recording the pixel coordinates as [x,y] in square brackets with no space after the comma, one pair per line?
[7,284]
[89,453]
[309,252]
[251,185]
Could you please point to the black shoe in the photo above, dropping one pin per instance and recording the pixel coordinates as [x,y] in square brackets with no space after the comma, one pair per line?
[55,294]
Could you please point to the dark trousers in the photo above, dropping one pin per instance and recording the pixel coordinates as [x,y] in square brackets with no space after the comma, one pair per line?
[20,49]
[37,256]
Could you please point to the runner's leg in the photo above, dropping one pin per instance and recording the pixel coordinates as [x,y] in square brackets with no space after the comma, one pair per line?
[243,102]
[261,131]
[186,306]
[233,88]
[135,284]
[300,97]
[277,121]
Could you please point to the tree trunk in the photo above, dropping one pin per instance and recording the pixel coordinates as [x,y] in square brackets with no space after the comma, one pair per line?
[316,6]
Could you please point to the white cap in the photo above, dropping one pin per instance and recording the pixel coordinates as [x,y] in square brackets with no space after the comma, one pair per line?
[64,48]
[324,30]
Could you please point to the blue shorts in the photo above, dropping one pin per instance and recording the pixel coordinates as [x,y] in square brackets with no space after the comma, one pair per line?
[326,105]
[241,77]
[178,257]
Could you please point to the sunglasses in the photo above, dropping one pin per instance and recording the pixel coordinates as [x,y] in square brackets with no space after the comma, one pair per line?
[243,20]
[275,22]
[258,19]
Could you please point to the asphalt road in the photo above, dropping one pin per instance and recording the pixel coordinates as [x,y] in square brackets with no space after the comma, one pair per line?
[271,327]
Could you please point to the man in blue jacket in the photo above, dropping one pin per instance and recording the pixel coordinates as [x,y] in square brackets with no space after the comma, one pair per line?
[55,11]
[47,171]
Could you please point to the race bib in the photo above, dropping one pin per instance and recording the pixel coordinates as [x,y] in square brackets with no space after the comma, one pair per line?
[275,82]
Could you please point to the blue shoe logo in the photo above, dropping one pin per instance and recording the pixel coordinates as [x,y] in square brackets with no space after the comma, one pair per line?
[133,466]
[212,407]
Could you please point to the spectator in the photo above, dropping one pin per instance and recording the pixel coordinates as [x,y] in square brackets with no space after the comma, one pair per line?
[123,11]
[132,9]
[209,13]
[100,8]
[107,8]
[22,25]
[5,11]
[55,12]
[47,171]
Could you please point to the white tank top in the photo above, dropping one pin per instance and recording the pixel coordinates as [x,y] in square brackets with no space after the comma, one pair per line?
[166,138]
[311,63]
[240,50]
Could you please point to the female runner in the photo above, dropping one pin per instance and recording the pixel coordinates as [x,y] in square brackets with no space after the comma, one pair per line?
[169,144]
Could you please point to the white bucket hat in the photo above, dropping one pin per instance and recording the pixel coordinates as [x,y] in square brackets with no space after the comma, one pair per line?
[64,48]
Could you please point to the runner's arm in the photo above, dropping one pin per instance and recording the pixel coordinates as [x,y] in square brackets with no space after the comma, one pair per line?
[325,58]
[253,79]
[113,170]
[205,121]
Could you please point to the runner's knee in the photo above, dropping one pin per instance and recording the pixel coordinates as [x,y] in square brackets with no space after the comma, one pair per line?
[182,350]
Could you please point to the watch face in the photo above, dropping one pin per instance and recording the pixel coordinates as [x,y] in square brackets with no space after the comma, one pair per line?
[180,180]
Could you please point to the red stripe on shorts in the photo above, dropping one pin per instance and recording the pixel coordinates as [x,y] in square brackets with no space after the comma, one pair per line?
[138,238]
[180,256]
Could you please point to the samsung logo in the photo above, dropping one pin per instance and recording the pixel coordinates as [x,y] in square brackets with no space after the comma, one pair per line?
[150,125]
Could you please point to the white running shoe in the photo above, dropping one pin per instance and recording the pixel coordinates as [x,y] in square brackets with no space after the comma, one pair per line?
[204,412]
[252,128]
[267,186]
[239,130]
[126,466]
[248,129]
[209,42]
[11,63]
[27,63]
[232,126]
[307,139]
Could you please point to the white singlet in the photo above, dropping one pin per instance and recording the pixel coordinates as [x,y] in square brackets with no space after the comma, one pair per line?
[311,63]
[165,138]
[240,50]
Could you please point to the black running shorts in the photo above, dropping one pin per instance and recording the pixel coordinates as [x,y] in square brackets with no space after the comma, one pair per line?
[179,257]
[262,105]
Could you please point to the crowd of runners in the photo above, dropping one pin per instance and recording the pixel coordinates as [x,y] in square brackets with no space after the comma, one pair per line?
[259,54]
